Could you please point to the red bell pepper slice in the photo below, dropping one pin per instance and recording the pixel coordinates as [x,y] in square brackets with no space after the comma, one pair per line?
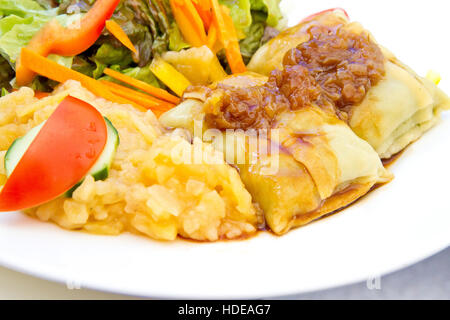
[70,41]
[63,152]
[325,11]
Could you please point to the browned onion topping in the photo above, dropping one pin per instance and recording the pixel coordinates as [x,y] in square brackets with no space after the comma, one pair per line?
[334,71]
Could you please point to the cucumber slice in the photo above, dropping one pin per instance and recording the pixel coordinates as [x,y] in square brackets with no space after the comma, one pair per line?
[18,148]
[100,170]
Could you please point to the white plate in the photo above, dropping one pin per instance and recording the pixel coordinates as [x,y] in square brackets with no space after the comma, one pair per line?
[393,227]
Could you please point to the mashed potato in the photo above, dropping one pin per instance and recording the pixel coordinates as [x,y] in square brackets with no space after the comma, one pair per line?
[150,189]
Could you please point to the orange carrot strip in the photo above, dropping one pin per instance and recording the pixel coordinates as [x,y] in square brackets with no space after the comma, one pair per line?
[205,5]
[138,97]
[204,11]
[227,34]
[115,29]
[233,50]
[220,22]
[195,18]
[190,34]
[59,73]
[155,110]
[40,94]
[212,38]
[157,92]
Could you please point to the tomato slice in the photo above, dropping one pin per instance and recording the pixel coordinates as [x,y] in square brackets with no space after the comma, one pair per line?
[62,153]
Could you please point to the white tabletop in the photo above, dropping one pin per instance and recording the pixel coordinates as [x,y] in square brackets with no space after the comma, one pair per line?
[429,279]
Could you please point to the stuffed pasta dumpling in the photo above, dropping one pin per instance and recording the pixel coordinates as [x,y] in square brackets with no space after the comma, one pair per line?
[315,164]
[383,101]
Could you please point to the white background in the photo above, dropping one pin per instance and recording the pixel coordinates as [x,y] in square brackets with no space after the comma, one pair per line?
[418,33]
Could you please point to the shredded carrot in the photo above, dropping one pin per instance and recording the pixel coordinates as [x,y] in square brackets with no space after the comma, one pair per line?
[194,35]
[115,29]
[195,18]
[40,94]
[227,34]
[205,5]
[220,22]
[212,42]
[203,8]
[61,74]
[138,97]
[233,50]
[157,92]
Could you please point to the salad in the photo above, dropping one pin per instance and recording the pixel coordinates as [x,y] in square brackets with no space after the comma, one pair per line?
[137,32]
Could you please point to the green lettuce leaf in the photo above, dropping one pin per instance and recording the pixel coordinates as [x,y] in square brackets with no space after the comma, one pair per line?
[253,40]
[7,23]
[98,71]
[65,61]
[16,31]
[143,74]
[176,41]
[12,41]
[24,9]
[6,73]
[84,66]
[271,8]
[111,55]
[22,20]
[48,4]
[256,35]
[81,6]
[240,11]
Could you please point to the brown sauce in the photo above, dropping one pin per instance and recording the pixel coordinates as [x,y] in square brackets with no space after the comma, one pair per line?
[244,108]
[333,70]
[256,107]
[345,64]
